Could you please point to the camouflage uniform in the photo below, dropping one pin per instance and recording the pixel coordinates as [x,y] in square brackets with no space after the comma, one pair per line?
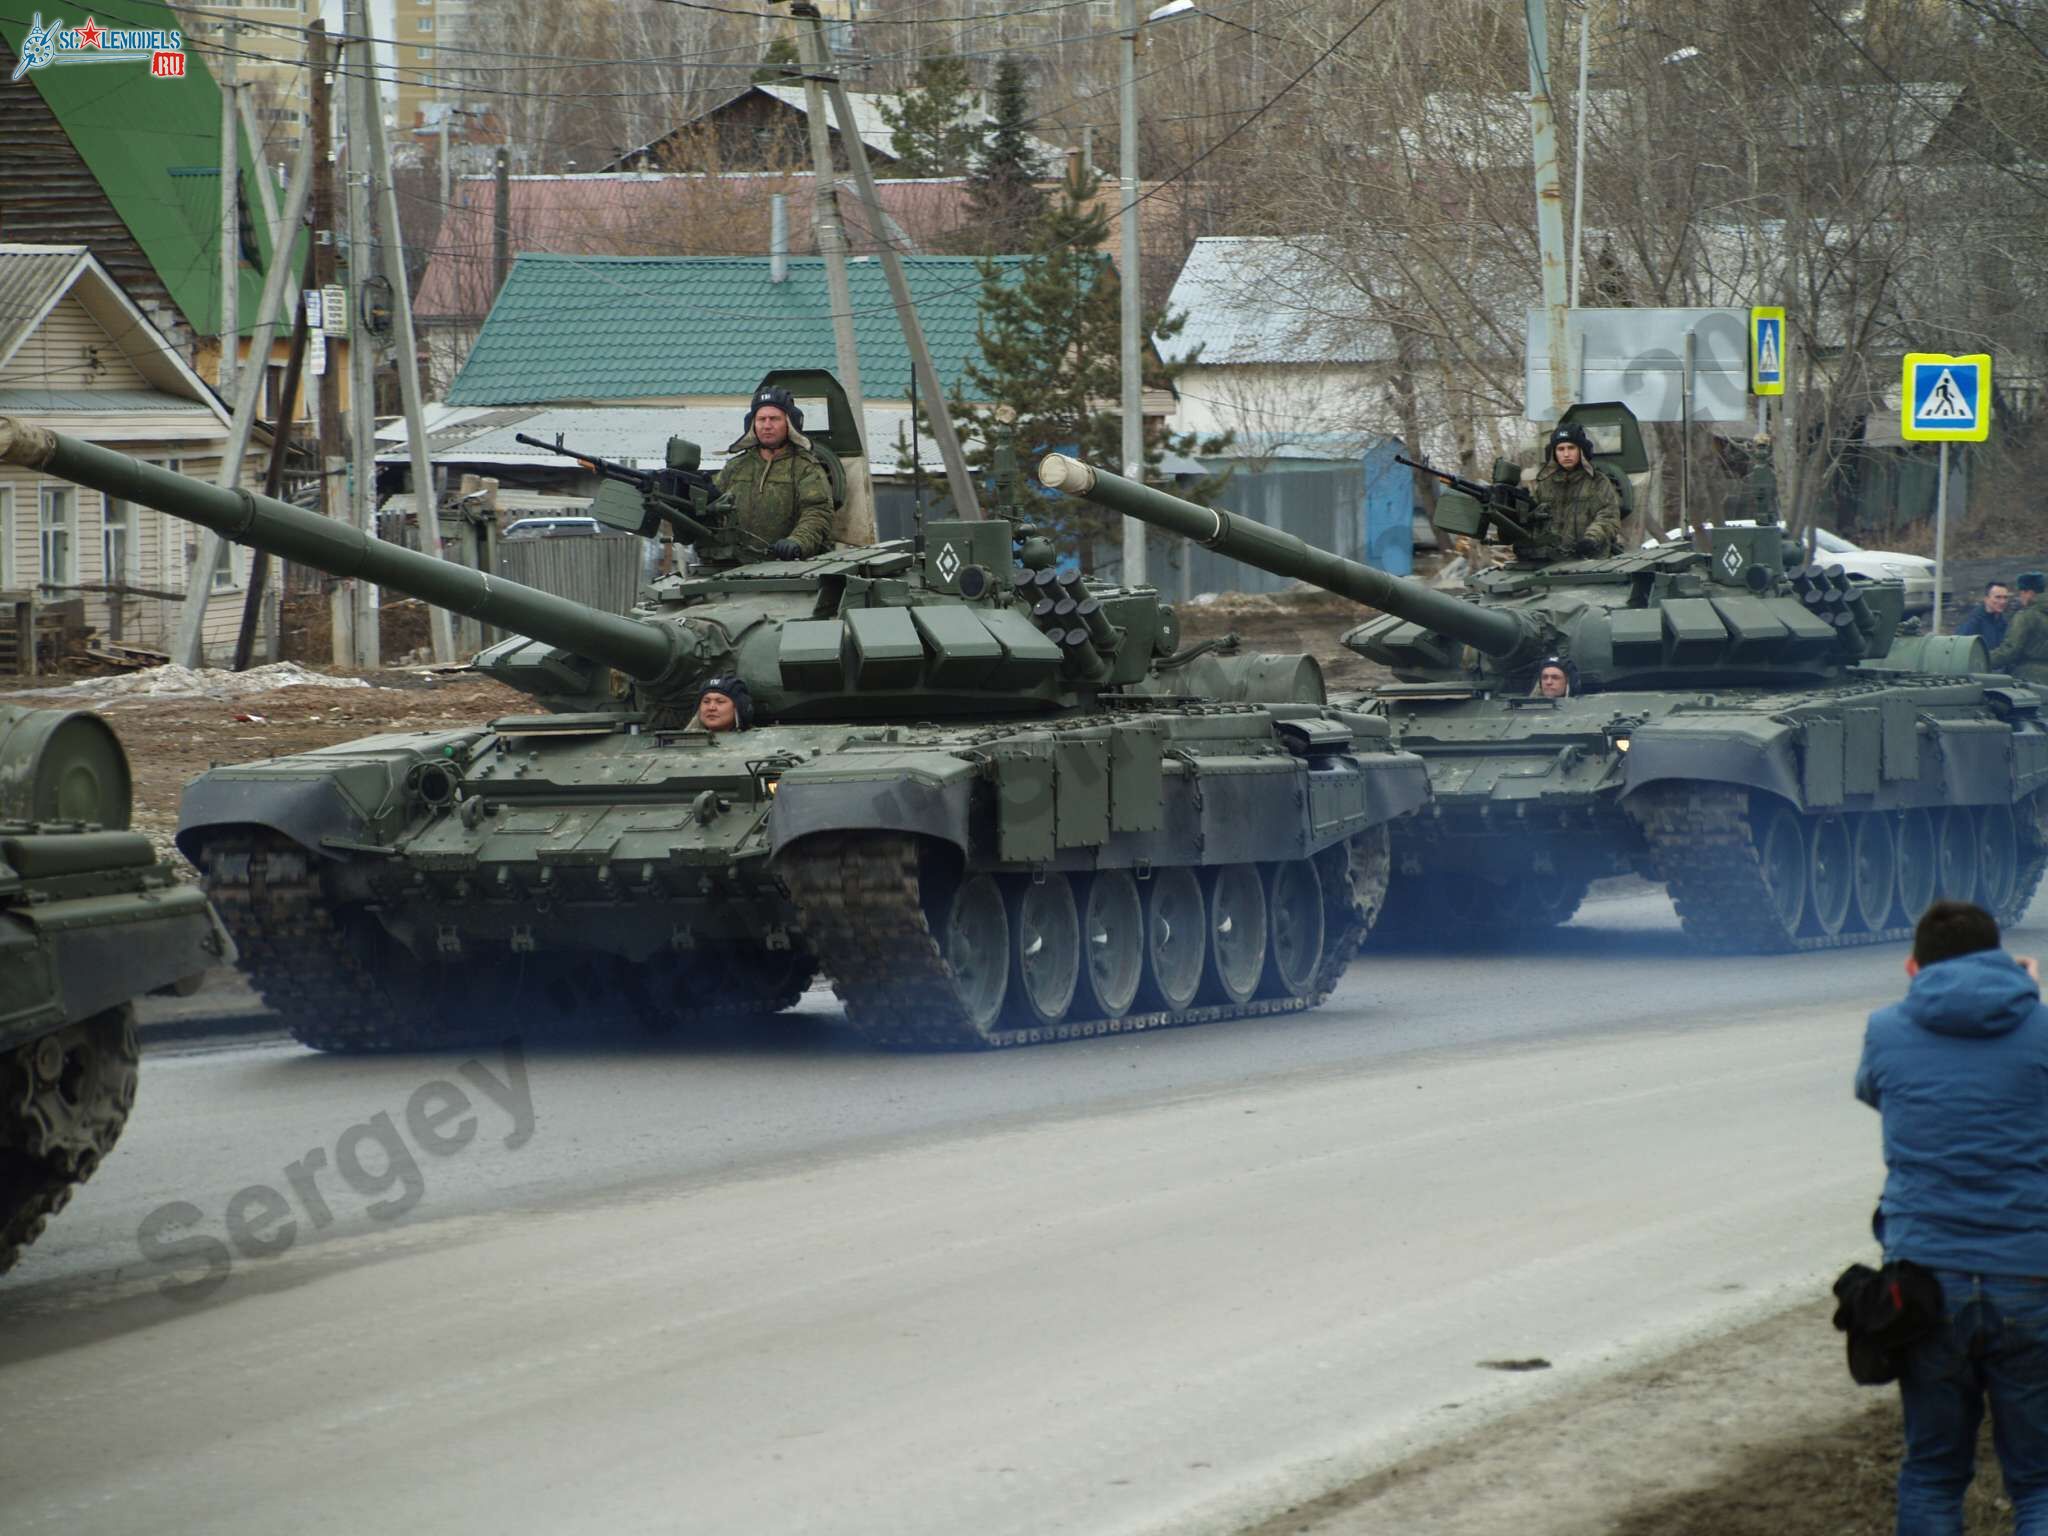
[2025,652]
[786,497]
[1583,504]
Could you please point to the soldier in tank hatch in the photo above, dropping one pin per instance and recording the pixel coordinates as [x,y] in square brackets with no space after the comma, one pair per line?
[2024,652]
[780,491]
[726,704]
[1584,507]
[1556,678]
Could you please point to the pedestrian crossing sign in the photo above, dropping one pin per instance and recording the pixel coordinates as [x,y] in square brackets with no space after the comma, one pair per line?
[1945,399]
[1767,351]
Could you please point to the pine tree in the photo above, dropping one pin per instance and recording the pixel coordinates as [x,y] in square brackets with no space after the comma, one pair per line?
[779,63]
[928,127]
[1050,366]
[1003,200]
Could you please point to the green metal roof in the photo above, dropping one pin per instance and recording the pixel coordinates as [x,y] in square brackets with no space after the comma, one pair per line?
[623,327]
[154,147]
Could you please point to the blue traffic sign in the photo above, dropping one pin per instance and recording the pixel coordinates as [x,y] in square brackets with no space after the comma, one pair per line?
[1767,351]
[1945,399]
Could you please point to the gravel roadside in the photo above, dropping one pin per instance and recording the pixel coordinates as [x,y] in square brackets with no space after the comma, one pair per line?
[1759,1432]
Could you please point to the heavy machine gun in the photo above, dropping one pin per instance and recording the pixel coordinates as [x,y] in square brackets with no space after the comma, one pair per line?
[680,494]
[1506,501]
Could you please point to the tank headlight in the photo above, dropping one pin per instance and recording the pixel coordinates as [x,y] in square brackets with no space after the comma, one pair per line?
[1621,743]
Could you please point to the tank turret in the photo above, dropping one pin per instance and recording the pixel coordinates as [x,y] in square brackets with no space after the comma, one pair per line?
[1746,612]
[966,623]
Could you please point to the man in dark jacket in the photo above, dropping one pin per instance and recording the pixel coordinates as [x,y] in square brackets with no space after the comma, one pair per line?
[780,490]
[1959,1072]
[1987,621]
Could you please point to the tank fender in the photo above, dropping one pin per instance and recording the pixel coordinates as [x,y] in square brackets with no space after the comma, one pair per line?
[307,798]
[874,799]
[66,960]
[1764,760]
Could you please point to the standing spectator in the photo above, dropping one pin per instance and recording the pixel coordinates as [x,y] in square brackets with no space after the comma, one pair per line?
[2024,651]
[1987,620]
[1959,1073]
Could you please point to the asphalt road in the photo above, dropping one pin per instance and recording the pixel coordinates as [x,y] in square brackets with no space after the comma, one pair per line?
[1170,1282]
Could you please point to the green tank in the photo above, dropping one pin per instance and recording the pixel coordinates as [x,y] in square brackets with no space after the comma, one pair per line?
[1761,736]
[993,802]
[89,919]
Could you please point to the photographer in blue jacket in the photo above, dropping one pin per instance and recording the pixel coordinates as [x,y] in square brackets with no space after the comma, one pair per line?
[1959,1072]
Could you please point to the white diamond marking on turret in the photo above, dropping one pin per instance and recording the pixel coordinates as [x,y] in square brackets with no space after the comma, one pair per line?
[948,562]
[1732,560]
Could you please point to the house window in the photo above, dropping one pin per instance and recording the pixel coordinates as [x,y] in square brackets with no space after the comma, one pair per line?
[117,544]
[57,519]
[426,23]
[170,543]
[423,53]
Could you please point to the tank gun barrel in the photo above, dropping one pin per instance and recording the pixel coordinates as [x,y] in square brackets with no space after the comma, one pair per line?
[636,647]
[1493,631]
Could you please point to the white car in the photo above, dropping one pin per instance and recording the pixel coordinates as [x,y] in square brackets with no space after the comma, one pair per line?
[1916,571]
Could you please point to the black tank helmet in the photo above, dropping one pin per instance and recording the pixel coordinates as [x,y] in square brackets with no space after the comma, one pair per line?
[1569,432]
[734,688]
[781,399]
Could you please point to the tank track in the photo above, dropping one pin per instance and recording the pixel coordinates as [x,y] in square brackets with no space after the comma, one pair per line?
[306,968]
[1703,848]
[860,903]
[64,1098]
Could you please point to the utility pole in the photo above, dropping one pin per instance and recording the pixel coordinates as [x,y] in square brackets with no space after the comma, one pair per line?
[446,113]
[1549,203]
[501,222]
[440,631]
[230,220]
[361,87]
[326,395]
[958,481]
[1130,286]
[810,48]
[189,646]
[273,472]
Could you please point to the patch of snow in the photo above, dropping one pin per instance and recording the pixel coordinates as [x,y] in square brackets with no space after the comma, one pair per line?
[172,681]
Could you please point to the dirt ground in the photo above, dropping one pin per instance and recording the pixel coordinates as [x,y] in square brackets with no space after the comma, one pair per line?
[1757,1432]
[172,740]
[1296,620]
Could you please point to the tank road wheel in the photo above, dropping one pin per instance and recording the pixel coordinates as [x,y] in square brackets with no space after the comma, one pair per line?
[1045,949]
[1919,865]
[1236,935]
[1871,848]
[1175,938]
[1998,857]
[976,947]
[1549,901]
[64,1098]
[1781,858]
[1294,913]
[1113,937]
[1831,874]
[1956,854]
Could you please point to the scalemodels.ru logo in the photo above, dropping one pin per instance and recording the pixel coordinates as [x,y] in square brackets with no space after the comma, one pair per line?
[163,49]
